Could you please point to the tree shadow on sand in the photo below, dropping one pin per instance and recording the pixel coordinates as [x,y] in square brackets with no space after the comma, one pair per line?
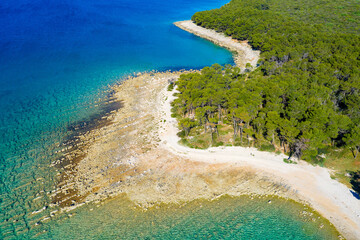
[355,183]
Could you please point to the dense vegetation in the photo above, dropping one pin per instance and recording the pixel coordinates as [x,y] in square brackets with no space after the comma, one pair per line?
[303,97]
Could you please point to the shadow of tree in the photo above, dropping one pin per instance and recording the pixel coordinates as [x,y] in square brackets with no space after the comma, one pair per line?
[355,182]
[355,194]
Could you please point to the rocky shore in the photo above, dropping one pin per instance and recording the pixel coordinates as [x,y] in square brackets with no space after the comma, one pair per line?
[137,153]
[243,53]
[128,156]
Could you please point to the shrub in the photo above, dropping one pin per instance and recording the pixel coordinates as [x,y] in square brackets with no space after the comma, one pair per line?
[184,142]
[218,144]
[170,87]
[181,134]
[267,148]
[289,161]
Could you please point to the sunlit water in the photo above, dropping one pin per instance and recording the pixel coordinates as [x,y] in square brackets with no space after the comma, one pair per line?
[225,218]
[57,61]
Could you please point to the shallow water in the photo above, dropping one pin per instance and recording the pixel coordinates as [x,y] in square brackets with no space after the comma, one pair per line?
[57,61]
[225,218]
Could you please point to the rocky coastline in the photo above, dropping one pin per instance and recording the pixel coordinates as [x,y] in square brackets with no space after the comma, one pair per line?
[242,51]
[136,153]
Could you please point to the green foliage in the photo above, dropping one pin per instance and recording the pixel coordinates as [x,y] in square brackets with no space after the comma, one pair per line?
[267,148]
[312,156]
[185,142]
[305,93]
[352,140]
[181,134]
[200,141]
[170,87]
[218,144]
[289,161]
[302,98]
[261,109]
[239,143]
[186,124]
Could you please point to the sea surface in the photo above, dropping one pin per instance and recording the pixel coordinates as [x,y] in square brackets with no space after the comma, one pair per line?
[58,60]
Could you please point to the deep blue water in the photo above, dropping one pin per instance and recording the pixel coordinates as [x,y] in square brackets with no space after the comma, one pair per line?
[57,61]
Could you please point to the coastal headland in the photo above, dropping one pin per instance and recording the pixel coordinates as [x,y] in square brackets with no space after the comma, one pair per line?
[138,154]
[242,51]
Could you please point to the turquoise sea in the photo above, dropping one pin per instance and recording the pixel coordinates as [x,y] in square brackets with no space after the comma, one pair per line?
[58,60]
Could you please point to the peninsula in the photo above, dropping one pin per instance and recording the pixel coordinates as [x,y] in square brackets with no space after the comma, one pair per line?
[299,99]
[139,154]
[123,121]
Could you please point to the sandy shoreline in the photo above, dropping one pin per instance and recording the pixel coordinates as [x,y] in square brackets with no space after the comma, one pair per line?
[139,155]
[312,184]
[129,157]
[243,53]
